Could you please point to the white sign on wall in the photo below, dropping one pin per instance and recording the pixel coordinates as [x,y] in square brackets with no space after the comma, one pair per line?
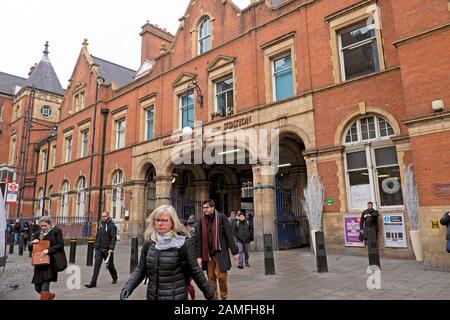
[394,231]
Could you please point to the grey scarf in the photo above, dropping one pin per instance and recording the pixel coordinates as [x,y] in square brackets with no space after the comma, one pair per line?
[168,240]
[43,234]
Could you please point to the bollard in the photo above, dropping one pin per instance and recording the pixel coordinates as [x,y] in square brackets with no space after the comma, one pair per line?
[73,250]
[134,254]
[374,256]
[321,253]
[90,252]
[11,243]
[269,261]
[30,252]
[20,249]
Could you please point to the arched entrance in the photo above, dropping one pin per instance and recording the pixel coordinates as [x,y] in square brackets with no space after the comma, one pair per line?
[291,221]
[150,190]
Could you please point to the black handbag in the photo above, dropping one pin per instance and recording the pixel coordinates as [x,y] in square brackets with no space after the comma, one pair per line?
[361,236]
[60,261]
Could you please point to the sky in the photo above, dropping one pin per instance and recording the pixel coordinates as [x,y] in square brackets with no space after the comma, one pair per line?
[111,26]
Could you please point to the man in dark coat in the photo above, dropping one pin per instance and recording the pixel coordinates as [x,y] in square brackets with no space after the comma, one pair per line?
[213,239]
[445,221]
[243,232]
[369,220]
[105,242]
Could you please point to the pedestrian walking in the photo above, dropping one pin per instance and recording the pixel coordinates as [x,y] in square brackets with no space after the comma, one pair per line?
[45,274]
[243,232]
[445,221]
[16,231]
[25,235]
[214,240]
[105,242]
[168,259]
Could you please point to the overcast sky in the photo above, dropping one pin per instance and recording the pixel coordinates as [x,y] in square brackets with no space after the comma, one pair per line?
[111,26]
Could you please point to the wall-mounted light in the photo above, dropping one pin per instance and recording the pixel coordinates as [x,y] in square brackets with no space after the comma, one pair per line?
[194,85]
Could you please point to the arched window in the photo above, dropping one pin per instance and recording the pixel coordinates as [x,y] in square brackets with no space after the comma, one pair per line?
[65,200]
[371,163]
[151,190]
[41,202]
[204,35]
[117,196]
[81,196]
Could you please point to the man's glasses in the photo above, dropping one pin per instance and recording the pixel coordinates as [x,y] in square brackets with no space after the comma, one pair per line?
[163,221]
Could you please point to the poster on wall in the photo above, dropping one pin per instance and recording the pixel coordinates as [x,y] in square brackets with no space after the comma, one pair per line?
[351,231]
[394,231]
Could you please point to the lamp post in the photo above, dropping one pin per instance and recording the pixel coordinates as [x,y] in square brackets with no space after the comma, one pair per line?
[99,81]
[102,164]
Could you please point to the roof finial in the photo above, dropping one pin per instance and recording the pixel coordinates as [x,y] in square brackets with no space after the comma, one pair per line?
[46,48]
[85,43]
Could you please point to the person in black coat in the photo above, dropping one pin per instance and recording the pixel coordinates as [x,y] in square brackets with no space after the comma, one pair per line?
[445,221]
[44,274]
[369,220]
[168,260]
[105,242]
[25,234]
[213,239]
[243,232]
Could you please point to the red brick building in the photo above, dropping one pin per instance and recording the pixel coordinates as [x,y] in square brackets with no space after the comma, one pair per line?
[357,90]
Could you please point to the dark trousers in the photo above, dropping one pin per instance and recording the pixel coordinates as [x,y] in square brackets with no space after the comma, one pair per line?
[100,256]
[44,286]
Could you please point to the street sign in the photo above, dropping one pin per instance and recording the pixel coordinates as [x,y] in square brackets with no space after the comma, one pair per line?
[11,195]
[329,202]
[13,187]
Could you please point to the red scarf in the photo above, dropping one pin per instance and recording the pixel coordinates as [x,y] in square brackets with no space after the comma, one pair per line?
[215,234]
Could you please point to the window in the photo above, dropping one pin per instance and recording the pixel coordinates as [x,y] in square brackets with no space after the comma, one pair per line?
[149,123]
[204,36]
[81,197]
[44,160]
[84,143]
[187,110]
[358,51]
[41,203]
[117,196]
[373,172]
[79,101]
[68,149]
[120,133]
[12,151]
[225,97]
[54,156]
[65,199]
[282,77]
[46,111]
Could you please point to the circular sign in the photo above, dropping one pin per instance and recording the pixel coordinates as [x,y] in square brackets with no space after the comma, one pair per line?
[390,185]
[12,187]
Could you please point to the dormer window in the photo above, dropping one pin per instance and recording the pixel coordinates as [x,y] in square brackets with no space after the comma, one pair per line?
[204,35]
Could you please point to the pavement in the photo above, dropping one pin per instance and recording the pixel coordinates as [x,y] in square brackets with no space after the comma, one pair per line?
[296,278]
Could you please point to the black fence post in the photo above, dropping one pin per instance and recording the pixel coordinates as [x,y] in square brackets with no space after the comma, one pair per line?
[374,256]
[321,253]
[90,252]
[11,243]
[134,254]
[269,261]
[73,250]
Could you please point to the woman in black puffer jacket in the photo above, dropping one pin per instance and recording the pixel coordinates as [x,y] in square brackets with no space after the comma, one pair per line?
[168,260]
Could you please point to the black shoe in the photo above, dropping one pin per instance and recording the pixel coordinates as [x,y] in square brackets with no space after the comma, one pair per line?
[114,281]
[247,265]
[240,267]
[90,285]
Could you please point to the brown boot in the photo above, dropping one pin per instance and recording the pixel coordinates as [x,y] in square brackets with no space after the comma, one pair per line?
[46,295]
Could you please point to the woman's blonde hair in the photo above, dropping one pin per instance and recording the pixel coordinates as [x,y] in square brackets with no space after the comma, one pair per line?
[177,226]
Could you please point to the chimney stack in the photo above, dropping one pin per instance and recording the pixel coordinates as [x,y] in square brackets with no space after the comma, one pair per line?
[155,40]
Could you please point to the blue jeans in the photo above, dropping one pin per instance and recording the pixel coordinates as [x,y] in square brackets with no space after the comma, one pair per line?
[44,286]
[16,238]
[243,249]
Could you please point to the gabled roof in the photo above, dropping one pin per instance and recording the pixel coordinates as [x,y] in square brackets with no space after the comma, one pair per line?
[44,76]
[113,72]
[8,82]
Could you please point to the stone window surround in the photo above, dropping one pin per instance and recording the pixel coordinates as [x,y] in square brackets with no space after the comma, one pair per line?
[83,128]
[44,152]
[344,21]
[145,104]
[214,76]
[117,116]
[12,149]
[194,34]
[275,49]
[67,134]
[81,89]
[179,91]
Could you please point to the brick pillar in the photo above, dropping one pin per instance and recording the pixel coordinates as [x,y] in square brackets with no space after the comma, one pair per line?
[264,200]
[201,194]
[163,186]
